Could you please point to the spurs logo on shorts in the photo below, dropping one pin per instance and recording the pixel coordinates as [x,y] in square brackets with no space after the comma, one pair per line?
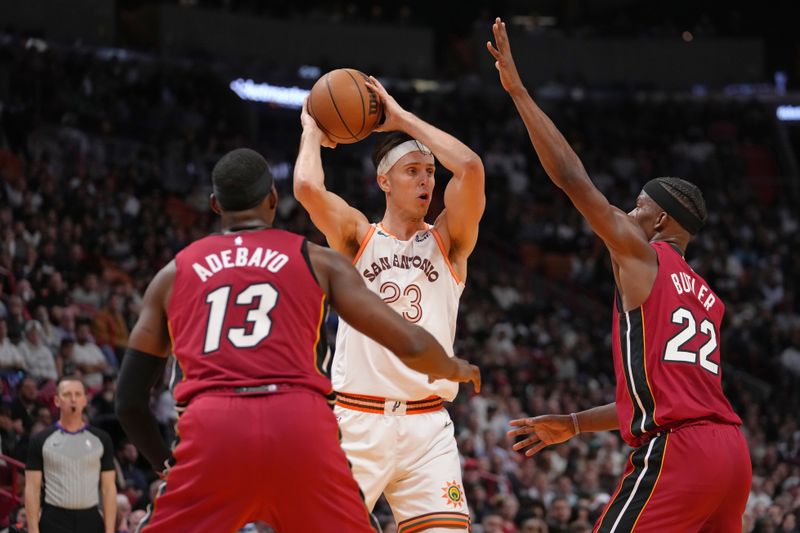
[453,494]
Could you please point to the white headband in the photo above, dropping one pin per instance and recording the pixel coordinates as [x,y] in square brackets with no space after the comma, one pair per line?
[394,155]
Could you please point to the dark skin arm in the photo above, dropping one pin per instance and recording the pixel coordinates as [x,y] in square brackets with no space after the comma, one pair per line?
[545,430]
[366,312]
[635,262]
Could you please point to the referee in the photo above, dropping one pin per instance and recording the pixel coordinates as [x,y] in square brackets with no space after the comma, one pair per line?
[76,463]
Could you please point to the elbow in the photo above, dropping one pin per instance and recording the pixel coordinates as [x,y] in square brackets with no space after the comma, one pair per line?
[125,410]
[472,164]
[413,347]
[304,189]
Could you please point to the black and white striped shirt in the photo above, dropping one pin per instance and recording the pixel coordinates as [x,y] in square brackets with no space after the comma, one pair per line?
[71,463]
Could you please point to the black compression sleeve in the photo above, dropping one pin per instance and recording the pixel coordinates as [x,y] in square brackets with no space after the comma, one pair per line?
[140,371]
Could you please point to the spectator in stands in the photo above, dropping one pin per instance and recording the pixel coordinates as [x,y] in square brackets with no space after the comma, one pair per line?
[17,316]
[559,515]
[123,515]
[50,335]
[88,357]
[137,479]
[11,360]
[39,360]
[8,435]
[109,328]
[534,525]
[492,523]
[65,360]
[87,295]
[25,405]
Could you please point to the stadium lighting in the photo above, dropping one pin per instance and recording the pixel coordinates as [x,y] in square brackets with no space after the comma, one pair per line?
[273,94]
[788,112]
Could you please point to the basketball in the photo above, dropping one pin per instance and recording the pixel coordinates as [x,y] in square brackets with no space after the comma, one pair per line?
[343,106]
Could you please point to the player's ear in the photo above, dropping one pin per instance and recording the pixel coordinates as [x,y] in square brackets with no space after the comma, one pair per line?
[383,183]
[661,221]
[212,201]
[273,197]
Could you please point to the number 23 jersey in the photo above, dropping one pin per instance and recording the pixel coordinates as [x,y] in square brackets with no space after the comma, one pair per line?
[246,311]
[666,353]
[415,278]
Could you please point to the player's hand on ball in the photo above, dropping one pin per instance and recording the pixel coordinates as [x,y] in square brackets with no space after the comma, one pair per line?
[391,109]
[310,125]
[543,430]
[504,61]
[464,373]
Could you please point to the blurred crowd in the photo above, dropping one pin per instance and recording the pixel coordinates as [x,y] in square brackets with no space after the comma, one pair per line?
[104,175]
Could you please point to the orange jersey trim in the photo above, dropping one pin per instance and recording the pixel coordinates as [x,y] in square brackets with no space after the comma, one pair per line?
[363,244]
[439,241]
[426,521]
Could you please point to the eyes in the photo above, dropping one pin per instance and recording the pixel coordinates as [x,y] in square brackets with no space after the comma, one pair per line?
[415,171]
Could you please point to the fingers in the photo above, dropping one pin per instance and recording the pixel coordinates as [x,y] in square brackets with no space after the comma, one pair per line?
[376,86]
[492,50]
[522,422]
[521,431]
[536,449]
[476,380]
[530,441]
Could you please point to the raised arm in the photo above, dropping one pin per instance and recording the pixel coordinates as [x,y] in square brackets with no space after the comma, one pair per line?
[142,367]
[366,312]
[342,225]
[620,233]
[464,197]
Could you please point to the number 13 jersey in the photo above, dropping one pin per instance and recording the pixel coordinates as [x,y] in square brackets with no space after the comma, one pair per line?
[246,311]
[666,353]
[414,278]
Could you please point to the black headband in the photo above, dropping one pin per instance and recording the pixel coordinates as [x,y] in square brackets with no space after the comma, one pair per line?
[660,195]
[244,196]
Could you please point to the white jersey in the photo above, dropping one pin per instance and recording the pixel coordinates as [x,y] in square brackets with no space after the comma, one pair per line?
[417,280]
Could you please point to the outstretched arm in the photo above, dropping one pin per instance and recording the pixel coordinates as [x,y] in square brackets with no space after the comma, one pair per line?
[464,197]
[552,429]
[342,225]
[620,233]
[142,367]
[366,312]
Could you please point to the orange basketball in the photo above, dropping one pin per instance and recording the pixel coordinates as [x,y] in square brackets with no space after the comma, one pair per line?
[343,106]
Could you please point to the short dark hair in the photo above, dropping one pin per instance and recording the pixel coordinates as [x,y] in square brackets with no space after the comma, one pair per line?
[241,179]
[70,377]
[688,194]
[388,142]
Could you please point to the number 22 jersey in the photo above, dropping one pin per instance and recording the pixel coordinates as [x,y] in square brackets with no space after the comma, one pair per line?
[666,353]
[246,311]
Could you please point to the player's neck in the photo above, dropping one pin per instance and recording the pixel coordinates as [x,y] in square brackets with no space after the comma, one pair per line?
[232,224]
[71,422]
[678,242]
[402,227]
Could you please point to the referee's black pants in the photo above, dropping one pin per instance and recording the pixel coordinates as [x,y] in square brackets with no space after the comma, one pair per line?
[59,520]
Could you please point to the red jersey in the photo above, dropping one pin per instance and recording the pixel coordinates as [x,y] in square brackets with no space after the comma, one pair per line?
[666,353]
[246,311]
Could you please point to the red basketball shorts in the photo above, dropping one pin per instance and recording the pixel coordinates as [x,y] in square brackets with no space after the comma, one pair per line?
[689,479]
[272,457]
